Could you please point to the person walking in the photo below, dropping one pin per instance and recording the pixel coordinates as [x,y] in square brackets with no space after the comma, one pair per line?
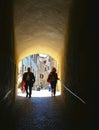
[29,79]
[52,79]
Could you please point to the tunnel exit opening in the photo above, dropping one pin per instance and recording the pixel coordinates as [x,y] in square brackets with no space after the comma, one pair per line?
[41,65]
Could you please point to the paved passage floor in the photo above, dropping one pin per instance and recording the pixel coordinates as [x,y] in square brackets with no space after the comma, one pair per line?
[41,113]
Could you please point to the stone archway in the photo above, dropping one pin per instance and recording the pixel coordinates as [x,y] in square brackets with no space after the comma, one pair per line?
[56,63]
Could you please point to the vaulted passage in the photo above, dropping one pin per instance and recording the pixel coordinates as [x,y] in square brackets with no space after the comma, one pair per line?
[41,27]
[63,29]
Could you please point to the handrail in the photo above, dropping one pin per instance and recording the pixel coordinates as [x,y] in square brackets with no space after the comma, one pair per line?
[73,93]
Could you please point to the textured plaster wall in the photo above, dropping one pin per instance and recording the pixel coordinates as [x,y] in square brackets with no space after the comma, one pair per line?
[40,26]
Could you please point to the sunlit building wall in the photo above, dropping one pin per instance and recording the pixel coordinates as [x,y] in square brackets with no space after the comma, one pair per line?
[40,65]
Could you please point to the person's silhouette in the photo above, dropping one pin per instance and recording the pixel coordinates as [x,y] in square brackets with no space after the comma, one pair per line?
[29,79]
[52,79]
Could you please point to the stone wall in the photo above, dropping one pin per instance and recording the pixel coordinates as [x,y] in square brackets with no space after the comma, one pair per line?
[7,57]
[81,62]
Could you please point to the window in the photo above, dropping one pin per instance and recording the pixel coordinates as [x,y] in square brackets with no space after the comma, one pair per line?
[41,76]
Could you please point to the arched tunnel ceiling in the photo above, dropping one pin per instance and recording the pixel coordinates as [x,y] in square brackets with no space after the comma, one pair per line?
[40,26]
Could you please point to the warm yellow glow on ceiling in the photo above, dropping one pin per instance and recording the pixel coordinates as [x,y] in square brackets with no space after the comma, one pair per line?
[41,46]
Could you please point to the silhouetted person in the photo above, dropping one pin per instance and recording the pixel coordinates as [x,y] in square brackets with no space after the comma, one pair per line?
[29,79]
[52,79]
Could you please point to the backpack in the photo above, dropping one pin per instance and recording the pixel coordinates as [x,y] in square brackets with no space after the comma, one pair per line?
[52,77]
[49,79]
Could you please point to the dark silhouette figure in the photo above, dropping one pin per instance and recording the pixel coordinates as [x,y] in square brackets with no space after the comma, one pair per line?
[52,79]
[29,79]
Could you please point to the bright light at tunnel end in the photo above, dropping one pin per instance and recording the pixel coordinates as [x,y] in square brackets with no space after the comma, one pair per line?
[42,55]
[41,93]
